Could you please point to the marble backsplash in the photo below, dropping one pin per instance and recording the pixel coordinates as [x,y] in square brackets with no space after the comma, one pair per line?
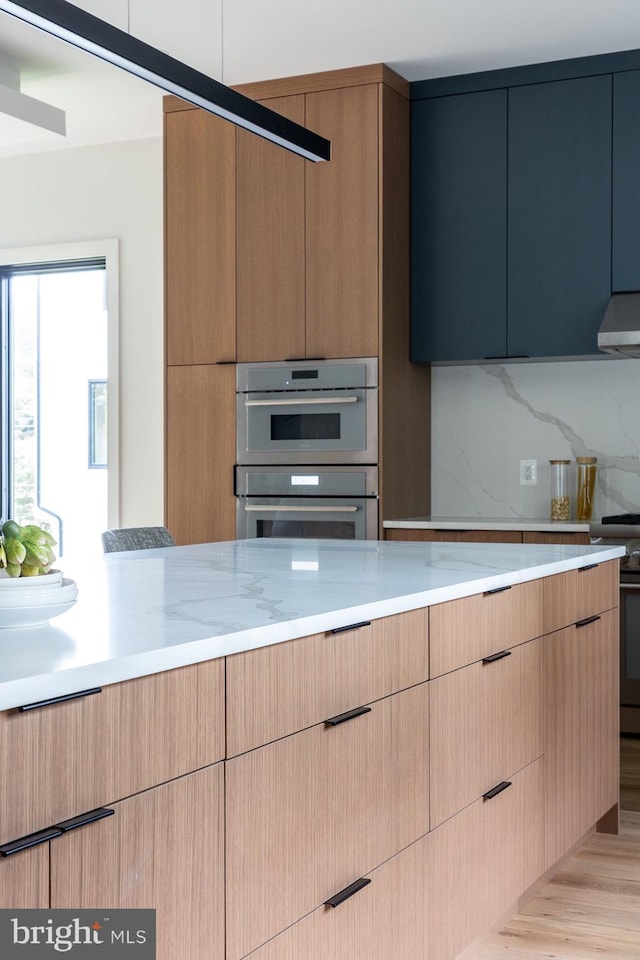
[486,418]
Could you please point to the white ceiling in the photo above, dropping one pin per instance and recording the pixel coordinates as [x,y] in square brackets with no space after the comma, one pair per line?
[238,41]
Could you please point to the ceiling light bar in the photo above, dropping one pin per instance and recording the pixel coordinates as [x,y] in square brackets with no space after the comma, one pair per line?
[68,22]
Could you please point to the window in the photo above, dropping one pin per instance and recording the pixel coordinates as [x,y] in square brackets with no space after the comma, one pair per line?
[97,424]
[54,327]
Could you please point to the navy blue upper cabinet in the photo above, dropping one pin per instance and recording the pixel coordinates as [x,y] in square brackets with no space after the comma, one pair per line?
[625,250]
[458,226]
[559,216]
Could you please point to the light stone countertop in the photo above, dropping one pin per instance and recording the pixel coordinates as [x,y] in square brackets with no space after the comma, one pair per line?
[151,610]
[488,523]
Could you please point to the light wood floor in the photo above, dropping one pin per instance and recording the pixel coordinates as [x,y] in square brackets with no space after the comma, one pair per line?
[591,908]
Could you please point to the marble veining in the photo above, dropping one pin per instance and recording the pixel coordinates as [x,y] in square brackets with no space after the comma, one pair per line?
[487,417]
[151,610]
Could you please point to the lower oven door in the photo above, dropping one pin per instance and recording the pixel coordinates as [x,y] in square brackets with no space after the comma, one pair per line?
[630,653]
[308,517]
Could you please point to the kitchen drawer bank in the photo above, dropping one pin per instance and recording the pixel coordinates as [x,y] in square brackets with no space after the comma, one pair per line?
[373,778]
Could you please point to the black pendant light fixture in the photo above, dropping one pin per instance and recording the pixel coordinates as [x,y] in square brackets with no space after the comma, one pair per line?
[74,25]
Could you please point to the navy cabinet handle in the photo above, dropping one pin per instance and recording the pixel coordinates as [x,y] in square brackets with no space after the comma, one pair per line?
[488,593]
[349,715]
[32,840]
[497,656]
[349,891]
[67,696]
[84,819]
[490,794]
[590,566]
[351,626]
[583,623]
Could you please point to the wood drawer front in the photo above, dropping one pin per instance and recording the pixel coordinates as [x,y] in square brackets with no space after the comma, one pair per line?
[466,630]
[485,724]
[453,536]
[310,813]
[163,848]
[59,761]
[482,860]
[386,920]
[577,594]
[571,538]
[277,690]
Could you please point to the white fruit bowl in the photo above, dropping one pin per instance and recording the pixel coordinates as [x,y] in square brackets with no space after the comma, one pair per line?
[33,615]
[25,583]
[58,593]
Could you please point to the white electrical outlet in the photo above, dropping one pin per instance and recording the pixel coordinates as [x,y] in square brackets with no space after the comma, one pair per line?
[528,473]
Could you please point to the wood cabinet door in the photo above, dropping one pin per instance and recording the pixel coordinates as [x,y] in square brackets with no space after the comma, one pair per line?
[580,593]
[485,723]
[453,536]
[534,536]
[459,227]
[385,920]
[200,232]
[482,860]
[162,849]
[342,239]
[200,453]
[559,223]
[270,244]
[24,879]
[581,729]
[311,813]
[276,690]
[468,629]
[60,760]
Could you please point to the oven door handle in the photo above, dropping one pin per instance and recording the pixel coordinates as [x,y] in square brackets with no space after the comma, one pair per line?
[291,509]
[299,400]
[630,586]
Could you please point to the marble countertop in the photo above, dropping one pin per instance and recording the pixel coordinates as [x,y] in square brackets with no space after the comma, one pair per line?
[488,523]
[151,610]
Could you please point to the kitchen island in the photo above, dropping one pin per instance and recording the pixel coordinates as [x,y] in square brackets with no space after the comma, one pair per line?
[351,739]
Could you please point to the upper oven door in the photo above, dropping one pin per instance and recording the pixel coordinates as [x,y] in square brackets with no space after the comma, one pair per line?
[314,426]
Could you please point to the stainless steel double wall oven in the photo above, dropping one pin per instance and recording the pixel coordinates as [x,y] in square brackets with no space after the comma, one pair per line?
[307,449]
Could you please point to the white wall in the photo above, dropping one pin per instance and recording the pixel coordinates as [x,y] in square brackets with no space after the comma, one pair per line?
[93,193]
[487,418]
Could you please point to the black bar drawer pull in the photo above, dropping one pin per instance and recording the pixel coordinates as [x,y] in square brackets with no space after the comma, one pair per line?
[351,626]
[349,891]
[32,840]
[67,696]
[490,794]
[590,566]
[349,715]
[488,593]
[583,623]
[85,818]
[497,656]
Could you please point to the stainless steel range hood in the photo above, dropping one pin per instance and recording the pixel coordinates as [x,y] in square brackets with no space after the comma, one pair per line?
[620,330]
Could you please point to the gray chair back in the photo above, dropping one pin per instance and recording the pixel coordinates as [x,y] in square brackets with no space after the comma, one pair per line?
[136,538]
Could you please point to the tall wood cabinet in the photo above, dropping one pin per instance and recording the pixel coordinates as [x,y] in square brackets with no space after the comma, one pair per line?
[271,257]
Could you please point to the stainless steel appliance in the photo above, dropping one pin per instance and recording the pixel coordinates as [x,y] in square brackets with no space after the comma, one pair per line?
[303,501]
[308,412]
[307,449]
[624,529]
